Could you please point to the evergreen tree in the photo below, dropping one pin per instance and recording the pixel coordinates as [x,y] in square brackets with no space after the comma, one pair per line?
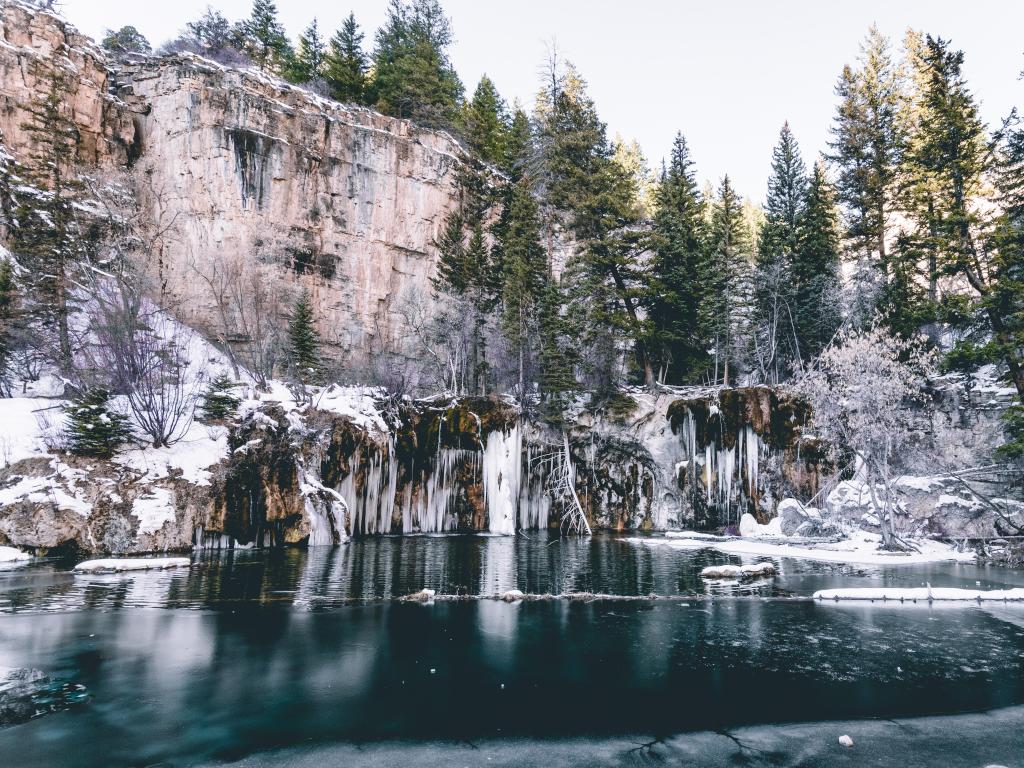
[518,146]
[219,400]
[598,197]
[303,340]
[210,35]
[8,316]
[524,276]
[676,290]
[47,242]
[262,38]
[867,147]
[779,239]
[486,123]
[309,61]
[726,275]
[412,76]
[126,40]
[345,64]
[95,428]
[559,351]
[815,269]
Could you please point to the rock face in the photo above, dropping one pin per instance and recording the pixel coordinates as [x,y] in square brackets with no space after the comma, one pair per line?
[231,165]
[31,43]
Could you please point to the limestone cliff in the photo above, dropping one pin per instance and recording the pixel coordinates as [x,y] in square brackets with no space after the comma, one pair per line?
[234,165]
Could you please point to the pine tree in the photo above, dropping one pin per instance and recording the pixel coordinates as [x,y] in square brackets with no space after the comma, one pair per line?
[345,64]
[412,76]
[262,38]
[309,61]
[524,276]
[95,428]
[815,268]
[559,352]
[126,40]
[726,275]
[777,244]
[219,400]
[486,123]
[598,197]
[867,147]
[8,316]
[303,340]
[210,34]
[47,242]
[518,146]
[675,288]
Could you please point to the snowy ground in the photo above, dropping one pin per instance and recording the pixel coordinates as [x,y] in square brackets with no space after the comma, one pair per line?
[861,547]
[10,555]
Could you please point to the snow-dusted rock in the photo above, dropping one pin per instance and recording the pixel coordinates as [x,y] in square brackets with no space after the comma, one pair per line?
[512,596]
[118,564]
[845,740]
[737,572]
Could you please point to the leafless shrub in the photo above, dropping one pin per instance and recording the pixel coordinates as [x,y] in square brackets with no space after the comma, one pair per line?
[865,391]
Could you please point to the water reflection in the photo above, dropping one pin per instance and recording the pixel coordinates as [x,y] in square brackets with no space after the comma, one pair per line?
[185,686]
[385,568]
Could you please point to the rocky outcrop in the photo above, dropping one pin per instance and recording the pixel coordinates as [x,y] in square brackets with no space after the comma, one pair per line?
[33,44]
[232,165]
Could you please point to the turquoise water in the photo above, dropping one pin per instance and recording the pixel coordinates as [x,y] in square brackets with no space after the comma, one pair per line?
[251,653]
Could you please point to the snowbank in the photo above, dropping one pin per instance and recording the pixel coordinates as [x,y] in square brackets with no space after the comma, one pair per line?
[10,555]
[30,426]
[132,564]
[194,455]
[925,594]
[749,527]
[153,509]
[736,572]
[861,547]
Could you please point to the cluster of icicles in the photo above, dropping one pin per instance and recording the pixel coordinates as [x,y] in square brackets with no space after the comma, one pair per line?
[513,495]
[729,475]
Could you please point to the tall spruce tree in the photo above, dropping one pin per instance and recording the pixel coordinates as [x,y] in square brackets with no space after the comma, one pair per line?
[598,198]
[345,64]
[726,275]
[518,146]
[8,318]
[815,268]
[676,290]
[47,241]
[263,39]
[310,57]
[524,274]
[867,147]
[412,75]
[778,242]
[303,340]
[485,123]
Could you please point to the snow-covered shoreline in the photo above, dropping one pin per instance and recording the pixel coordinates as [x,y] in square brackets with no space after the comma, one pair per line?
[13,555]
[861,547]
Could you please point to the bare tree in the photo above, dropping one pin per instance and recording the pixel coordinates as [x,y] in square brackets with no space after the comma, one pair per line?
[145,353]
[866,390]
[250,302]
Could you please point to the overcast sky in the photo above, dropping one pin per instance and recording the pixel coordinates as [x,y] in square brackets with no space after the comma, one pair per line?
[725,73]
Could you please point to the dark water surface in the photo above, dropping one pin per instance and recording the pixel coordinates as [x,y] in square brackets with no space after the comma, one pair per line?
[250,655]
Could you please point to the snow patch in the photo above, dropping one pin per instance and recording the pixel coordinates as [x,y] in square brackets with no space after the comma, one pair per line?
[154,509]
[10,555]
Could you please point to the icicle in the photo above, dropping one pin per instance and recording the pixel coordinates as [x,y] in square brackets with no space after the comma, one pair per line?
[502,473]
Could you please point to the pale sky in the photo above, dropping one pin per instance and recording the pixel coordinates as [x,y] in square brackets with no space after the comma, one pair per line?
[725,73]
